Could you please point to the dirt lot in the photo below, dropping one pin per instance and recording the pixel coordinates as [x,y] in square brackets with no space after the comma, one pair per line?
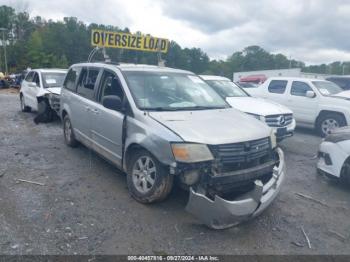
[83,206]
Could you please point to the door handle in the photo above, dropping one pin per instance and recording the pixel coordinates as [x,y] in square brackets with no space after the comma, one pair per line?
[95,111]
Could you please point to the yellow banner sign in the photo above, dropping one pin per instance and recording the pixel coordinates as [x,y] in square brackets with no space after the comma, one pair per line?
[129,41]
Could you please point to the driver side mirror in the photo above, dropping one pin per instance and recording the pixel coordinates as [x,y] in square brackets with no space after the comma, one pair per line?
[112,102]
[310,94]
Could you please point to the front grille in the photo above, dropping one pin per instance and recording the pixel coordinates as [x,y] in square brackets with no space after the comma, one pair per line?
[243,155]
[279,120]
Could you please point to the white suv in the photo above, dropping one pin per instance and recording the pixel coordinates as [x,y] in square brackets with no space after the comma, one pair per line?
[277,116]
[315,103]
[40,91]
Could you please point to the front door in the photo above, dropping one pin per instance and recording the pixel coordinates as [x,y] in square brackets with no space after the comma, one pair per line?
[107,131]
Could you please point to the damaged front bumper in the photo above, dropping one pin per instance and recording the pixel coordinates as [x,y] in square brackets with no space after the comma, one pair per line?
[220,213]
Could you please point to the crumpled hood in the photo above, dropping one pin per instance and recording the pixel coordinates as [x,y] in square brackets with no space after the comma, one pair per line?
[345,94]
[52,90]
[221,126]
[257,106]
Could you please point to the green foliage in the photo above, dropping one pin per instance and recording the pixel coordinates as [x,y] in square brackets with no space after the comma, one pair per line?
[35,42]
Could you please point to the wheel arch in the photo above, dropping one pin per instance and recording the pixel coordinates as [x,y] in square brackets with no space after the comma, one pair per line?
[324,112]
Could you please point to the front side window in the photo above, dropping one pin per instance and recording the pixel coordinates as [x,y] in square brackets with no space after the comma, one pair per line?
[110,86]
[71,78]
[299,88]
[86,83]
[171,91]
[53,79]
[36,79]
[327,88]
[29,76]
[277,86]
[226,88]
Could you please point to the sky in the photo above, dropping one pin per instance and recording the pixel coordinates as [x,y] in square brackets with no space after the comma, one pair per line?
[313,31]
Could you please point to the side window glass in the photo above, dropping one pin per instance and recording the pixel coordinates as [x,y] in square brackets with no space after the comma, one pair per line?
[110,85]
[299,88]
[29,77]
[277,86]
[36,79]
[86,83]
[71,79]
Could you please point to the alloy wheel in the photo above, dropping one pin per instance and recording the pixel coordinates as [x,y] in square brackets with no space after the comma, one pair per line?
[144,174]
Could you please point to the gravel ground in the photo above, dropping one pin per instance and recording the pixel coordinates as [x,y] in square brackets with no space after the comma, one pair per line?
[83,206]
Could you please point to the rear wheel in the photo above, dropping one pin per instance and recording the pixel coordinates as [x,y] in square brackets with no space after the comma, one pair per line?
[148,180]
[69,137]
[328,122]
[24,108]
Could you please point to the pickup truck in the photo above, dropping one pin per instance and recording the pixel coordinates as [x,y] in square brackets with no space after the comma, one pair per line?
[316,103]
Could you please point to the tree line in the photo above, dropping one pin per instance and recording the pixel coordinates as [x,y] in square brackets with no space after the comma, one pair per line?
[36,43]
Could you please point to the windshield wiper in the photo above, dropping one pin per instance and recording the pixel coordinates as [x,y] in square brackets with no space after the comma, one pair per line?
[159,108]
[201,107]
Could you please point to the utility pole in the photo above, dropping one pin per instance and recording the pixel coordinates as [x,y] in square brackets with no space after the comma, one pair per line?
[4,46]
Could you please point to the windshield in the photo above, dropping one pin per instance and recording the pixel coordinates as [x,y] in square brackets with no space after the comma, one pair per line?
[171,91]
[327,88]
[227,88]
[53,79]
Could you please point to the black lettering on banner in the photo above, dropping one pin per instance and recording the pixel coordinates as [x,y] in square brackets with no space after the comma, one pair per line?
[133,40]
[124,39]
[151,43]
[110,39]
[163,44]
[96,38]
[138,42]
[117,40]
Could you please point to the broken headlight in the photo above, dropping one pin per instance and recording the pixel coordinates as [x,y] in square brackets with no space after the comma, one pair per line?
[191,153]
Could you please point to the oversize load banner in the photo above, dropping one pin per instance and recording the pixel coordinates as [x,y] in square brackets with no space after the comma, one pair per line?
[128,41]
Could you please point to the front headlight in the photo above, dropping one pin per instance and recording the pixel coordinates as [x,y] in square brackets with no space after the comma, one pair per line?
[259,117]
[273,139]
[190,153]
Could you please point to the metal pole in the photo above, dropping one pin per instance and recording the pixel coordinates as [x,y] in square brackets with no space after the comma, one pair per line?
[4,45]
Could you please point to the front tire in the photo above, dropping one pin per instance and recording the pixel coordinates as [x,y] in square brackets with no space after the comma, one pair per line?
[69,137]
[148,180]
[328,122]
[345,173]
[24,108]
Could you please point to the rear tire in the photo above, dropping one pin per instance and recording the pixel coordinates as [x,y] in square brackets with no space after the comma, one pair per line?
[148,180]
[327,122]
[68,133]
[24,108]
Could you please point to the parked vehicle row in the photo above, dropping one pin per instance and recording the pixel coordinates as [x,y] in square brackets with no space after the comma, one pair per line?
[318,104]
[161,125]
[278,117]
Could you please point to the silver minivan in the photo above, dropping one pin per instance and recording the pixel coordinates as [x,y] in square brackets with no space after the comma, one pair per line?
[161,125]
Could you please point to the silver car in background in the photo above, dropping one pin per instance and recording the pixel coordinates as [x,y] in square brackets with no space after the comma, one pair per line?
[160,124]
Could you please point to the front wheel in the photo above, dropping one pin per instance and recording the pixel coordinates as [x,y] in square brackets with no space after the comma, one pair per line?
[148,180]
[328,122]
[345,173]
[24,108]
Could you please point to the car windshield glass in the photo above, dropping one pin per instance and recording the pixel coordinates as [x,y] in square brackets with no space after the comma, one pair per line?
[327,88]
[53,79]
[227,88]
[171,91]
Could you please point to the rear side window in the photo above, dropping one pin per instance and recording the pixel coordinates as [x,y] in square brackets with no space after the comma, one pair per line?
[71,78]
[87,81]
[29,77]
[277,86]
[299,88]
